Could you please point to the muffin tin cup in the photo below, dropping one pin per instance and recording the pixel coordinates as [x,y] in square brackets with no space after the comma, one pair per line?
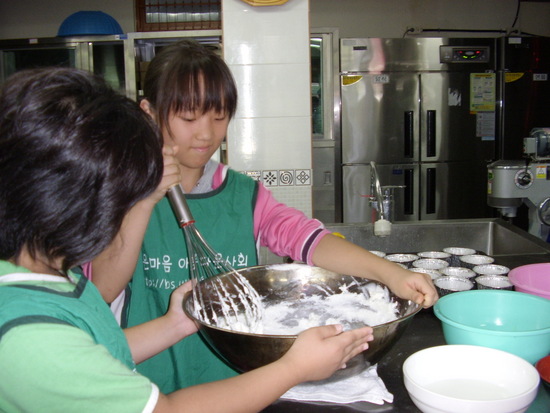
[473,271]
[430,263]
[493,282]
[439,255]
[470,261]
[380,254]
[451,284]
[491,269]
[458,272]
[432,273]
[456,253]
[405,259]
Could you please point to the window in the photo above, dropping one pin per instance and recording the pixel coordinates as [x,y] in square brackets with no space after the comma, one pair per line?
[164,15]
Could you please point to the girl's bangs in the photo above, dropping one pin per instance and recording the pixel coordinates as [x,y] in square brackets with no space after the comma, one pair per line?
[193,94]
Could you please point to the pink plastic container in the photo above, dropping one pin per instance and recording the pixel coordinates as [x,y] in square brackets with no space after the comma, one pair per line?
[533,279]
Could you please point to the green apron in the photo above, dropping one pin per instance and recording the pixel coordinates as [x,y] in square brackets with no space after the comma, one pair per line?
[82,307]
[225,217]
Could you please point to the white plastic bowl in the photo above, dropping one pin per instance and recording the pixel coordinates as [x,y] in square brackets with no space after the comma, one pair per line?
[474,379]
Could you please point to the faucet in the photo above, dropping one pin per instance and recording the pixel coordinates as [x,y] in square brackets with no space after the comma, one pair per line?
[381,200]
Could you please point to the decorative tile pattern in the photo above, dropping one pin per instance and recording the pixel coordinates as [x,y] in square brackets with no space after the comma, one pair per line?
[296,195]
[284,177]
[256,175]
[303,177]
[270,178]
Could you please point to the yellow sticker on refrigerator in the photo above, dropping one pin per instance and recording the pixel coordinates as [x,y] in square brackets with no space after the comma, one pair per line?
[510,77]
[350,79]
[482,92]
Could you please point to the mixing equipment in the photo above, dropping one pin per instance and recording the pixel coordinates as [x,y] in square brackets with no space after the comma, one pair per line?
[235,299]
[291,283]
[512,183]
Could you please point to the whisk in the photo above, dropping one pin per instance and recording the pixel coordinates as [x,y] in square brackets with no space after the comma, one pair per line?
[227,301]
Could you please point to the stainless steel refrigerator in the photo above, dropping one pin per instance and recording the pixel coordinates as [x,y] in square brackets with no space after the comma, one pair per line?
[424,111]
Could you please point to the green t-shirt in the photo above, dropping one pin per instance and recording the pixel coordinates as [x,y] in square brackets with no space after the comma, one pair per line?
[61,349]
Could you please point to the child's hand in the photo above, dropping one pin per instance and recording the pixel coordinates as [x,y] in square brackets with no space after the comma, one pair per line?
[171,175]
[175,310]
[318,352]
[414,286]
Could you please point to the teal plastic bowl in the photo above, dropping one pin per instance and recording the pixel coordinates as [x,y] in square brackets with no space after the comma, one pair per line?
[511,321]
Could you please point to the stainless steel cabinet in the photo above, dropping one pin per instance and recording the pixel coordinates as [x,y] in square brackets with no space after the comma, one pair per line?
[103,55]
[420,120]
[326,147]
[140,48]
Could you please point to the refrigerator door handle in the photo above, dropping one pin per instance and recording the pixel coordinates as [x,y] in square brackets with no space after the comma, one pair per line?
[430,132]
[430,190]
[408,207]
[409,134]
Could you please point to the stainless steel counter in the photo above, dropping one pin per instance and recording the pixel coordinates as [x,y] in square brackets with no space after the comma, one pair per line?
[509,246]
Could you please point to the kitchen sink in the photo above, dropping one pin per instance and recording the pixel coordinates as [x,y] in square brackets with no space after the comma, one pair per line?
[508,244]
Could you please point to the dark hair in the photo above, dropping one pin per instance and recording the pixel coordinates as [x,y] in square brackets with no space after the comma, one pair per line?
[74,157]
[187,76]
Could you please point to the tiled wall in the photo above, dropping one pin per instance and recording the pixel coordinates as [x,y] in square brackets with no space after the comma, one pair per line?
[267,49]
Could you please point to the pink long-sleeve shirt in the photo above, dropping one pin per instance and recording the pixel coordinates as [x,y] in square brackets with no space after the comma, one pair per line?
[286,231]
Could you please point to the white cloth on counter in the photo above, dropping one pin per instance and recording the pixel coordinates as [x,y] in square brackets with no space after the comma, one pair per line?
[363,387]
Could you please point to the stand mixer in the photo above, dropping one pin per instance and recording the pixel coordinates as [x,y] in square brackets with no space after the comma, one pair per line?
[512,183]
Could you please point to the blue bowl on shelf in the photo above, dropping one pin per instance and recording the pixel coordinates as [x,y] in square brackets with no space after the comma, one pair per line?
[83,23]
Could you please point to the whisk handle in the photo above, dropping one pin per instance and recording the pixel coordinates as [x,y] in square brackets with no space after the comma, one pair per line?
[176,196]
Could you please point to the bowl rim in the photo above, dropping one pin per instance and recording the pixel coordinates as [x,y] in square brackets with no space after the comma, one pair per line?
[188,296]
[407,376]
[513,274]
[446,320]
[526,266]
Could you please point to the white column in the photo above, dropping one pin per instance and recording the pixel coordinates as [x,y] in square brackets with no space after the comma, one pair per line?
[267,49]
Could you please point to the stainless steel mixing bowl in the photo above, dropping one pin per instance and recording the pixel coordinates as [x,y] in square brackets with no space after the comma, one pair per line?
[289,282]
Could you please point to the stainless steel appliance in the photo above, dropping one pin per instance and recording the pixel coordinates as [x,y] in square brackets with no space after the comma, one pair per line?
[325,103]
[423,110]
[140,48]
[103,55]
[514,183]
